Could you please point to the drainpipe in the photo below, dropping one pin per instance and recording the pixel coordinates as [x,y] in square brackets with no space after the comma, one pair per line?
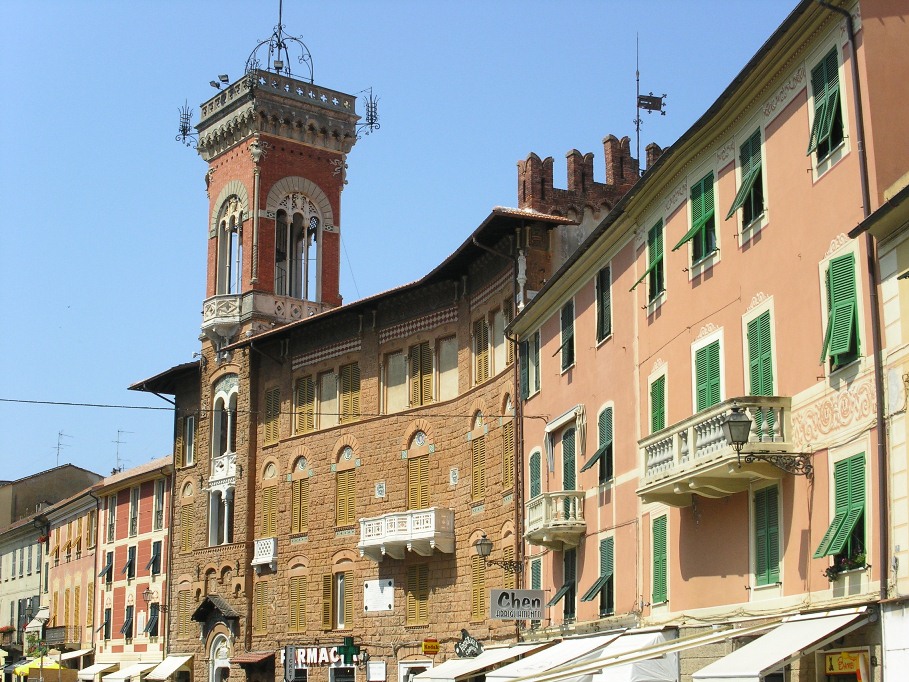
[876,333]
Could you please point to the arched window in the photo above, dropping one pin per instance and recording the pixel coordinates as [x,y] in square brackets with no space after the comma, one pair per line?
[224,422]
[297,239]
[230,248]
[219,659]
[222,477]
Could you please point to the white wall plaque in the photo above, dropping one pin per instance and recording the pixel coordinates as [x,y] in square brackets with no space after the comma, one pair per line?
[378,595]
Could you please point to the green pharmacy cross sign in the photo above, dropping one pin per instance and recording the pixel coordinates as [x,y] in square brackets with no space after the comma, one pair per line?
[348,650]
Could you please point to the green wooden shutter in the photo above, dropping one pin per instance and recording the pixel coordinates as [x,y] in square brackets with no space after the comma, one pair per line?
[701,215]
[535,360]
[568,335]
[523,359]
[849,505]
[843,323]
[569,478]
[658,404]
[536,574]
[604,304]
[607,552]
[826,91]
[767,536]
[535,482]
[659,561]
[760,358]
[707,375]
[750,160]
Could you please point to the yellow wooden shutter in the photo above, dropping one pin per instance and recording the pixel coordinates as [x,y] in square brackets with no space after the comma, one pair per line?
[183,613]
[348,599]
[508,555]
[304,505]
[417,589]
[272,414]
[508,313]
[269,512]
[66,609]
[187,518]
[326,601]
[477,588]
[305,405]
[351,496]
[178,442]
[296,621]
[508,453]
[90,604]
[56,605]
[77,621]
[350,392]
[478,467]
[415,377]
[418,482]
[346,497]
[426,372]
[481,349]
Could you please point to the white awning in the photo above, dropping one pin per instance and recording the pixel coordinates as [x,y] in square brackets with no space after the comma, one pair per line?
[133,670]
[457,669]
[36,623]
[66,655]
[168,667]
[554,656]
[92,670]
[793,638]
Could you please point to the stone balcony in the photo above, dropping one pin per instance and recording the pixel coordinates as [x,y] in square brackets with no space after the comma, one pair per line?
[265,554]
[555,520]
[418,530]
[223,315]
[223,471]
[693,457]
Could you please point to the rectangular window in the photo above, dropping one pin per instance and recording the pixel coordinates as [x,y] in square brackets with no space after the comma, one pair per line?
[350,392]
[107,572]
[328,400]
[154,562]
[481,350]
[396,387]
[766,536]
[269,518]
[129,568]
[299,522]
[530,365]
[127,628]
[67,613]
[656,279]
[604,304]
[567,591]
[133,511]
[337,601]
[603,586]
[827,128]
[272,414]
[77,540]
[158,522]
[304,405]
[750,197]
[567,326]
[418,482]
[448,368]
[151,627]
[602,458]
[29,562]
[260,608]
[498,341]
[841,339]
[660,561]
[189,440]
[477,589]
[296,621]
[90,604]
[507,317]
[345,513]
[760,358]
[417,594]
[707,375]
[421,374]
[77,620]
[658,404]
[92,528]
[535,467]
[478,468]
[702,233]
[845,537]
[111,517]
[106,625]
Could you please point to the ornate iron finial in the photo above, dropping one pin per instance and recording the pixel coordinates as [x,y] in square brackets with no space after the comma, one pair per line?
[279,51]
[186,134]
[371,119]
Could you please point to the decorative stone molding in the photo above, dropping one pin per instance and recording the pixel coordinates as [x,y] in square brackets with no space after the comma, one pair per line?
[757,300]
[326,352]
[725,154]
[785,94]
[257,149]
[844,409]
[658,364]
[232,188]
[293,184]
[836,244]
[340,168]
[707,330]
[676,197]
[419,324]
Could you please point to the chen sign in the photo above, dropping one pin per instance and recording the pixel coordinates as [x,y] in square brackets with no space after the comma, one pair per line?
[516,604]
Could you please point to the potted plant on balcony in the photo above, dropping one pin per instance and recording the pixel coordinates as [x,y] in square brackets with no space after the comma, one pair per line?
[844,562]
[6,628]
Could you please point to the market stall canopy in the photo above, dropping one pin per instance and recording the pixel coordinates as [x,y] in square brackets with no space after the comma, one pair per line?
[456,669]
[92,670]
[133,670]
[68,655]
[44,662]
[168,667]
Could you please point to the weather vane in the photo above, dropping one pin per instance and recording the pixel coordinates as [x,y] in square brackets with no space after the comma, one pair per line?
[648,102]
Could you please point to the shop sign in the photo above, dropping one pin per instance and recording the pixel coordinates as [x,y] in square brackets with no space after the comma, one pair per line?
[516,604]
[844,663]
[430,646]
[314,656]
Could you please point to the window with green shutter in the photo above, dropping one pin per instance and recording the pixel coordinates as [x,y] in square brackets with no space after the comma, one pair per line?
[760,370]
[658,404]
[841,338]
[750,197]
[702,233]
[536,582]
[603,456]
[656,281]
[529,359]
[535,474]
[707,375]
[766,536]
[604,304]
[569,475]
[567,347]
[827,127]
[660,560]
[845,537]
[604,583]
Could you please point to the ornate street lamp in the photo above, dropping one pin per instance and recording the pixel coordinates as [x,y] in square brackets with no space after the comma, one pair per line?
[737,428]
[484,549]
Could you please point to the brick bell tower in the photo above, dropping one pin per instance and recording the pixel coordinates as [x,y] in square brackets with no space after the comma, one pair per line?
[276,145]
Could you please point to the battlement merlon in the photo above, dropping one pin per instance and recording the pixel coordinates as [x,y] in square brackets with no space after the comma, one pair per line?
[266,102]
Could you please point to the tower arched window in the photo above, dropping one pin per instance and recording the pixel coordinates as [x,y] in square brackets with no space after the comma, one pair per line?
[297,238]
[230,248]
[223,472]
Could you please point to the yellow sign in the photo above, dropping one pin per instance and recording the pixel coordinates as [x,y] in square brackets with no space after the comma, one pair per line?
[430,647]
[844,663]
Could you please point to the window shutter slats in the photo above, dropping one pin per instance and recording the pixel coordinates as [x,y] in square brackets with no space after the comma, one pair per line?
[477,588]
[350,392]
[659,560]
[187,517]
[272,413]
[425,373]
[658,404]
[535,482]
[569,477]
[481,349]
[326,601]
[304,404]
[508,453]
[478,467]
[524,360]
[348,598]
[178,442]
[418,482]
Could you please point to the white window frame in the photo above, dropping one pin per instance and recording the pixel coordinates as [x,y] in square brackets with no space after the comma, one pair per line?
[764,592]
[662,371]
[697,269]
[749,231]
[852,246]
[574,337]
[835,40]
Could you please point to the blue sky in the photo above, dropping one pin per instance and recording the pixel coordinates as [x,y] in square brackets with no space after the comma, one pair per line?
[104,232]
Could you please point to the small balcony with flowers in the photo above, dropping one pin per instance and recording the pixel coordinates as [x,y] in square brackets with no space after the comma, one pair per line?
[421,531]
[700,455]
[555,519]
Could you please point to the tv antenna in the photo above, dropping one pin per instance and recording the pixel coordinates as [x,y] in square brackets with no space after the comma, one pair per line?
[61,444]
[120,461]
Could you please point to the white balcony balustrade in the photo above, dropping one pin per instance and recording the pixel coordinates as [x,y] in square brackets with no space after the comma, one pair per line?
[555,519]
[421,531]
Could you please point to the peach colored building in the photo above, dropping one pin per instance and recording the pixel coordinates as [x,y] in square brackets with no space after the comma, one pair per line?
[725,282]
